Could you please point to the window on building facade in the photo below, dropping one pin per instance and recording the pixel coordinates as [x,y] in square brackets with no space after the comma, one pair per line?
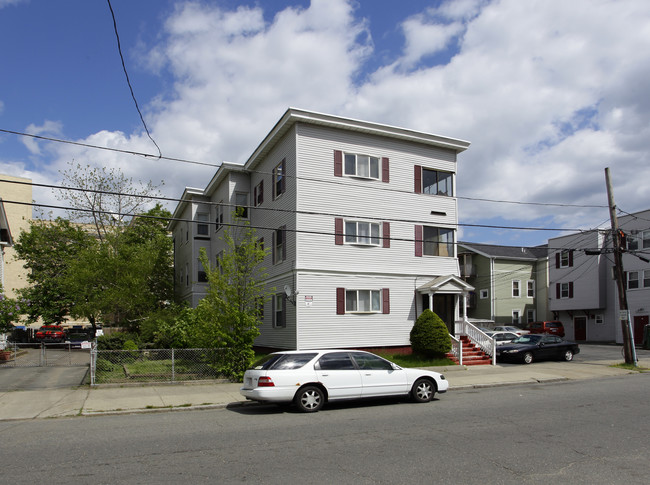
[645,239]
[360,232]
[531,289]
[632,280]
[646,278]
[279,179]
[564,290]
[218,262]
[437,241]
[258,194]
[564,259]
[516,288]
[516,317]
[202,276]
[202,219]
[484,294]
[435,182]
[530,316]
[279,310]
[362,301]
[241,204]
[279,245]
[599,320]
[361,166]
[219,218]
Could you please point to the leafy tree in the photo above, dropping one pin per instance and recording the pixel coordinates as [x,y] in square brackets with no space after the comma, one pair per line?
[125,276]
[229,315]
[48,249]
[9,312]
[429,336]
[107,198]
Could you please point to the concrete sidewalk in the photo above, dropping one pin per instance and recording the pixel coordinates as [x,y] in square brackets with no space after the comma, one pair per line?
[85,401]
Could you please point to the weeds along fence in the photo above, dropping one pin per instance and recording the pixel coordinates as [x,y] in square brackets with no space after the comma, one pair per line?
[157,365]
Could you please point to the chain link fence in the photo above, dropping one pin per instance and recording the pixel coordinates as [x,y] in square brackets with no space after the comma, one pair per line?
[44,355]
[156,365]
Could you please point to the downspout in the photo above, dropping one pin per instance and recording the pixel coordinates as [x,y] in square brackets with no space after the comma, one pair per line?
[492,289]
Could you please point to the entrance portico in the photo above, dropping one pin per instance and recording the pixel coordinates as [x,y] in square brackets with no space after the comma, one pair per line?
[447,297]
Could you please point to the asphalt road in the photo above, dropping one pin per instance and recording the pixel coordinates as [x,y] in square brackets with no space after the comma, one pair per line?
[579,432]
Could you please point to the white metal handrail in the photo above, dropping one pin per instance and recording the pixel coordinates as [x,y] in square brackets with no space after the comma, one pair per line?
[486,343]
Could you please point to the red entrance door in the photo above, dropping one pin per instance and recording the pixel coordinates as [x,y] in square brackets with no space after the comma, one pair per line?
[639,323]
[580,328]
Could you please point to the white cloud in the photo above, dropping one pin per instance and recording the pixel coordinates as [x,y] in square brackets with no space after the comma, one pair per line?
[549,92]
[48,128]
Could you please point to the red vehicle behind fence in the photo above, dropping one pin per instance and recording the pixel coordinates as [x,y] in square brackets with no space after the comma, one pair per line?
[50,333]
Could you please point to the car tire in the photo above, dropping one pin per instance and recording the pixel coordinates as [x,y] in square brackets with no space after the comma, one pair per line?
[309,399]
[527,358]
[568,355]
[423,390]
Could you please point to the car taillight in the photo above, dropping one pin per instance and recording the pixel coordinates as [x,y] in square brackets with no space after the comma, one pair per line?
[265,381]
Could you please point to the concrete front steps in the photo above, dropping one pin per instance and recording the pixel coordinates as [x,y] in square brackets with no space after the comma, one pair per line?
[472,354]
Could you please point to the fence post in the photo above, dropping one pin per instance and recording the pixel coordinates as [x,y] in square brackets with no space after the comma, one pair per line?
[173,366]
[93,362]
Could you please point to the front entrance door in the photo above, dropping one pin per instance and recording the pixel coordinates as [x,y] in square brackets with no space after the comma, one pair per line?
[443,306]
[639,323]
[580,328]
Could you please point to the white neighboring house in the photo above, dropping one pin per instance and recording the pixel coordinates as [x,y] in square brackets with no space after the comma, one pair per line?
[583,292]
[361,219]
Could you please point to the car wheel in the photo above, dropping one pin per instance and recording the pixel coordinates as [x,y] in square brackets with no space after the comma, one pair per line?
[528,358]
[568,355]
[309,399]
[423,390]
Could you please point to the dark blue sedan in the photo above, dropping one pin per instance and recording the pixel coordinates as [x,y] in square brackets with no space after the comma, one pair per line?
[529,348]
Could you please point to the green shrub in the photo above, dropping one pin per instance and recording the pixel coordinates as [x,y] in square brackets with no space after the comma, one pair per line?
[116,341]
[429,336]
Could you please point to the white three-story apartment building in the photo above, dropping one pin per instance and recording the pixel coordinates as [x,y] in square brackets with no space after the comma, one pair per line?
[361,221]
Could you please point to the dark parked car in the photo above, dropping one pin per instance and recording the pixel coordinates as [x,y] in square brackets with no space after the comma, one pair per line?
[531,347]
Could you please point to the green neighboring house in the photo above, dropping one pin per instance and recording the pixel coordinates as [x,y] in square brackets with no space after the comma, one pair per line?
[511,283]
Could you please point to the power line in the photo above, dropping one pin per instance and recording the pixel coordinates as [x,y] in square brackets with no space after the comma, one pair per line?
[217,165]
[128,81]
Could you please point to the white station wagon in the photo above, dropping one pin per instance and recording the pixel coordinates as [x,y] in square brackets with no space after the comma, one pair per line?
[309,378]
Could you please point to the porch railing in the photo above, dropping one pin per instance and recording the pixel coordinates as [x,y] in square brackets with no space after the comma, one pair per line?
[486,343]
[456,349]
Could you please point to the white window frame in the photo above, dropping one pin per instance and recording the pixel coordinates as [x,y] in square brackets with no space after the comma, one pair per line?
[279,317]
[357,237]
[280,240]
[448,185]
[599,319]
[219,216]
[564,291]
[645,239]
[371,171]
[202,224]
[516,317]
[484,294]
[279,180]
[516,288]
[530,316]
[565,258]
[633,280]
[646,278]
[437,242]
[354,301]
[530,288]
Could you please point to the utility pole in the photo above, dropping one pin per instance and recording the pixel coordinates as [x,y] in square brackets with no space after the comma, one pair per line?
[624,316]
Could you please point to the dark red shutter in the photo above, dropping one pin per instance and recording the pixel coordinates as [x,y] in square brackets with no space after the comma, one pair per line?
[571,289]
[338,163]
[558,293]
[418,240]
[255,197]
[571,257]
[386,234]
[385,173]
[385,294]
[338,231]
[417,179]
[260,194]
[557,260]
[340,301]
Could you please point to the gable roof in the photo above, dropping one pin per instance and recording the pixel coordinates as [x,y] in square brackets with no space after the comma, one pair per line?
[507,252]
[446,284]
[294,115]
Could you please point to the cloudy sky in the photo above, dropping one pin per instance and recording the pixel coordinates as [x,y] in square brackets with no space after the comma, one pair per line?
[549,92]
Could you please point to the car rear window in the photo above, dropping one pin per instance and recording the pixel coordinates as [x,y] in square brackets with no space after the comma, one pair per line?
[284,361]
